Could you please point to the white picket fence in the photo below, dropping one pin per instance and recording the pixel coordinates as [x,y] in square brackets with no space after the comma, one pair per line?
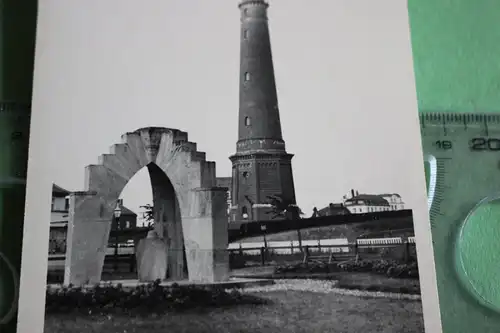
[285,247]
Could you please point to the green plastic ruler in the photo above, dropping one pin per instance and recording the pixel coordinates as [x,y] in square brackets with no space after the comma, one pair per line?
[14,142]
[462,164]
[18,21]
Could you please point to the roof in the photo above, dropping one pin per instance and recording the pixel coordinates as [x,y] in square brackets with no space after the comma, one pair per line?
[126,211]
[335,207]
[390,195]
[324,211]
[59,190]
[370,199]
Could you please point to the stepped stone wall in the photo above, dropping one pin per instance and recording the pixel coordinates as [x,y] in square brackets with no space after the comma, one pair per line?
[190,211]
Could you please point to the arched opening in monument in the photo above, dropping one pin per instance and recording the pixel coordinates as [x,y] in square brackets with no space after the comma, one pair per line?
[147,212]
[168,221]
[181,179]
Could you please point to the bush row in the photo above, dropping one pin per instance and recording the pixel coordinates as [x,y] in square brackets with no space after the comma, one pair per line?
[144,299]
[410,290]
[390,268]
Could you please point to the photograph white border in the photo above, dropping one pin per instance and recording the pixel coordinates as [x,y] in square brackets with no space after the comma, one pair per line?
[36,232]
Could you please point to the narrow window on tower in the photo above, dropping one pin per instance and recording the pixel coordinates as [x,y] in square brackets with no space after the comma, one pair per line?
[247,121]
[247,76]
[245,175]
[245,34]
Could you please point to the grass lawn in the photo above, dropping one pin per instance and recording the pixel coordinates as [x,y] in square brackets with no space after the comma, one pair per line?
[290,311]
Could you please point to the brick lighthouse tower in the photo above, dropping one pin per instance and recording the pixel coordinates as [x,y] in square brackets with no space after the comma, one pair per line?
[261,165]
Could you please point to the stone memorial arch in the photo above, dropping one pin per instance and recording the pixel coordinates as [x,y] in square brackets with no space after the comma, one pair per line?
[190,211]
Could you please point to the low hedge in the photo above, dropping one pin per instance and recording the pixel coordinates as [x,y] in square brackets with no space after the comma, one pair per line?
[410,290]
[389,268]
[144,299]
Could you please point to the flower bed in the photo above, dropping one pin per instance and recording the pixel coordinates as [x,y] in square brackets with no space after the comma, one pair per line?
[378,283]
[389,268]
[145,299]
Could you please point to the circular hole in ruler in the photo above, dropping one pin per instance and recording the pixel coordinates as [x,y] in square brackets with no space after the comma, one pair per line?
[477,255]
[8,290]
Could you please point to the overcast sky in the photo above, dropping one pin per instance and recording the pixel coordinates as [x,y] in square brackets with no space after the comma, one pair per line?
[343,70]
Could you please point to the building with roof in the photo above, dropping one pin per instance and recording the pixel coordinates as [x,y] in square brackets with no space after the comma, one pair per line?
[394,200]
[60,205]
[331,209]
[358,203]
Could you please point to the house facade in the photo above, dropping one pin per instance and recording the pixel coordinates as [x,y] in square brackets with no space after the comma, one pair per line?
[358,203]
[59,220]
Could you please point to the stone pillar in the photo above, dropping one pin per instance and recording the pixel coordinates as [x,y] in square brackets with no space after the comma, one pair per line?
[151,258]
[89,225]
[206,235]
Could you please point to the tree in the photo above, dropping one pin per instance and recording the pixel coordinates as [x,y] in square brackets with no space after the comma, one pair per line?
[148,214]
[285,208]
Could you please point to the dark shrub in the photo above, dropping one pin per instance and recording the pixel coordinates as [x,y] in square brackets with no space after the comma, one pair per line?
[144,299]
[411,290]
[236,261]
[390,268]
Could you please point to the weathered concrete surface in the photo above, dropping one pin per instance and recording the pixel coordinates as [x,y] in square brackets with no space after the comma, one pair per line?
[176,168]
[88,233]
[151,258]
[206,236]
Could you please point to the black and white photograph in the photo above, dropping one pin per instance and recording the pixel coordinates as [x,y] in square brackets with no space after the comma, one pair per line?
[230,166]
